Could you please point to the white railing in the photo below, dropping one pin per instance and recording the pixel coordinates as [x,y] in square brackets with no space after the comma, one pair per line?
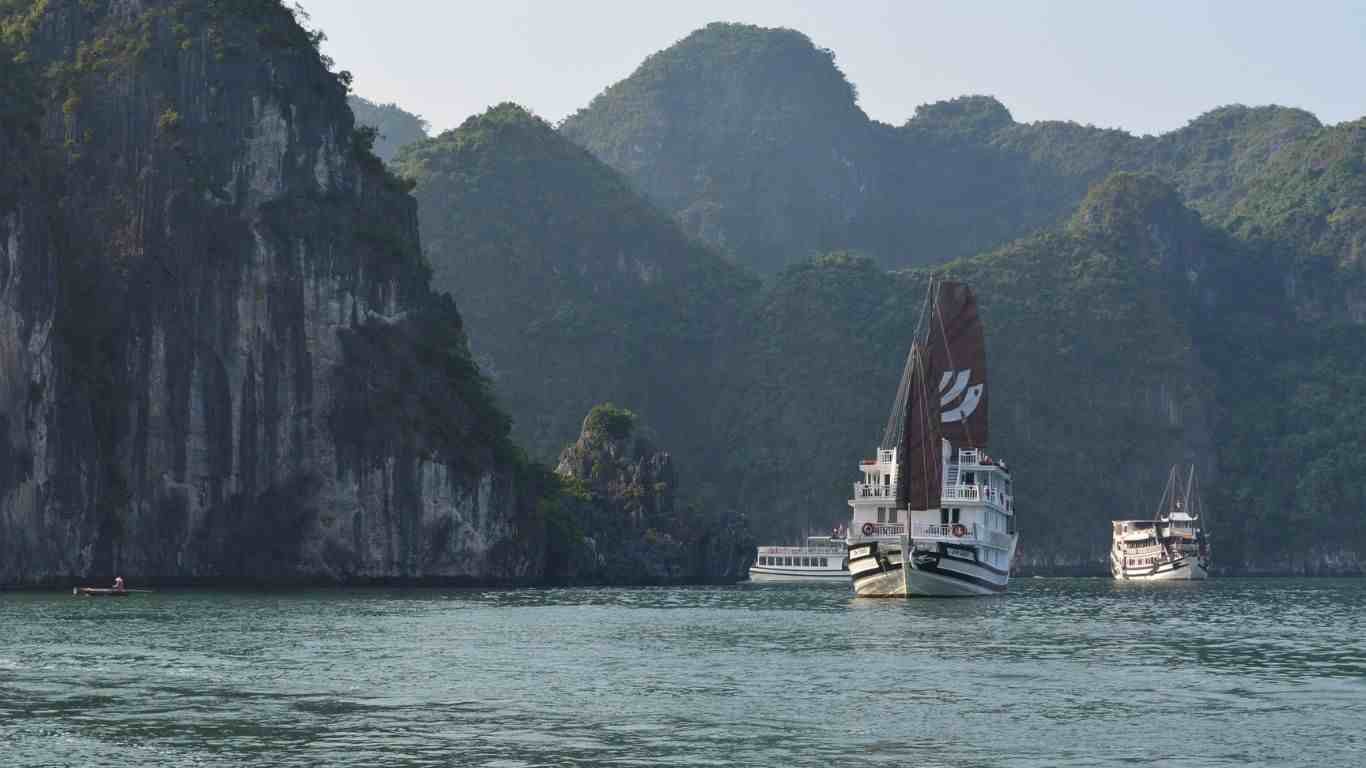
[960,493]
[975,493]
[968,456]
[886,456]
[866,491]
[973,533]
[944,531]
[801,550]
[873,530]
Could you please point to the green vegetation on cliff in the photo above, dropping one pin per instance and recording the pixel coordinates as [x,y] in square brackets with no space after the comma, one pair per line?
[753,140]
[394,127]
[751,137]
[573,288]
[622,519]
[1308,209]
[219,355]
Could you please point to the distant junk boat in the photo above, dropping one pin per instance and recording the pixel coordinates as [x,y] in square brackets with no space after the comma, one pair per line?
[933,514]
[1170,547]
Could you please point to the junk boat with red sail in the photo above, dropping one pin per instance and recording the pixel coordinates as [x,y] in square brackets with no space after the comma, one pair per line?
[933,514]
[1170,547]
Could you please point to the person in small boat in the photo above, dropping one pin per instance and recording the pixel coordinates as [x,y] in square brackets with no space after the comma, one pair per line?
[118,584]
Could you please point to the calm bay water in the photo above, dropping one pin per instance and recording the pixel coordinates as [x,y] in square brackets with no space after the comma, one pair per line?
[1059,672]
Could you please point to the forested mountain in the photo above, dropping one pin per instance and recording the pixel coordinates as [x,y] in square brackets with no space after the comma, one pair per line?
[575,289]
[752,138]
[394,127]
[225,349]
[1186,309]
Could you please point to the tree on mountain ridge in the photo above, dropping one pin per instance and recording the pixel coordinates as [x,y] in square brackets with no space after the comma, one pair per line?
[395,127]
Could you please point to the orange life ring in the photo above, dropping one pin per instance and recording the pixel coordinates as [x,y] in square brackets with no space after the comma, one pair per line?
[959,530]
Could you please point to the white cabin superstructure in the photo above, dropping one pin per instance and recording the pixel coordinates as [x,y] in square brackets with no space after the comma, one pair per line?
[823,559]
[965,547]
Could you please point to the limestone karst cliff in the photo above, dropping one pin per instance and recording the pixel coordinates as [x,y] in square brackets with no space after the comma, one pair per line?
[219,357]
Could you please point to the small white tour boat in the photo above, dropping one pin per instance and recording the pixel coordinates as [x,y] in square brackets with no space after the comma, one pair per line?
[933,514]
[1170,547]
[821,560]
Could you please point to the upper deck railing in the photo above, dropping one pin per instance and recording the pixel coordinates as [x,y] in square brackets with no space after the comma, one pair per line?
[947,494]
[964,533]
[867,491]
[819,550]
[873,530]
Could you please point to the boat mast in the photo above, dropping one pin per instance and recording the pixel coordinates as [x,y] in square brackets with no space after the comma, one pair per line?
[1167,504]
[896,420]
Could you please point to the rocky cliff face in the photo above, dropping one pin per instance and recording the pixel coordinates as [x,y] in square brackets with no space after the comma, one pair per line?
[623,521]
[206,284]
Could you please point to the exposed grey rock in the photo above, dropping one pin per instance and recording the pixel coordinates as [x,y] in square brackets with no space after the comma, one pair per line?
[195,234]
[634,531]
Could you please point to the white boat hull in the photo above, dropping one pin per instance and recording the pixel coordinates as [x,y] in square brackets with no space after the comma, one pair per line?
[760,575]
[878,570]
[1183,569]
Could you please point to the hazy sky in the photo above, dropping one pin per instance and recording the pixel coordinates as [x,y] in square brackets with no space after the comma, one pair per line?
[1147,67]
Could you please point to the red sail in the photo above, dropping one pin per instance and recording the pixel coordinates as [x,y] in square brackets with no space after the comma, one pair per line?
[958,355]
[918,476]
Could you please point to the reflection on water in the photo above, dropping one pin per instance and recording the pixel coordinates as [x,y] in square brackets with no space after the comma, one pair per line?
[1059,672]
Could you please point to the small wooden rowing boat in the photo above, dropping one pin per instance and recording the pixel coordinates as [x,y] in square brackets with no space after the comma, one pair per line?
[103,592]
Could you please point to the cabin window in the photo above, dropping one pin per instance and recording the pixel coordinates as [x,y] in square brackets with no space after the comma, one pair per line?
[882,514]
[787,561]
[968,478]
[806,562]
[825,562]
[763,560]
[953,515]
[944,516]
[891,516]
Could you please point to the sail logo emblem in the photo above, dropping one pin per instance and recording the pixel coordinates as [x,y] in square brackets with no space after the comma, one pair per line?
[953,387]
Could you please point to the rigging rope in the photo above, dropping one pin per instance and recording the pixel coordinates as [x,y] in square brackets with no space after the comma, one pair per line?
[896,421]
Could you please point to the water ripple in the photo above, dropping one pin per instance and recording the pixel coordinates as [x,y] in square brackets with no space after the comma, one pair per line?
[1074,672]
